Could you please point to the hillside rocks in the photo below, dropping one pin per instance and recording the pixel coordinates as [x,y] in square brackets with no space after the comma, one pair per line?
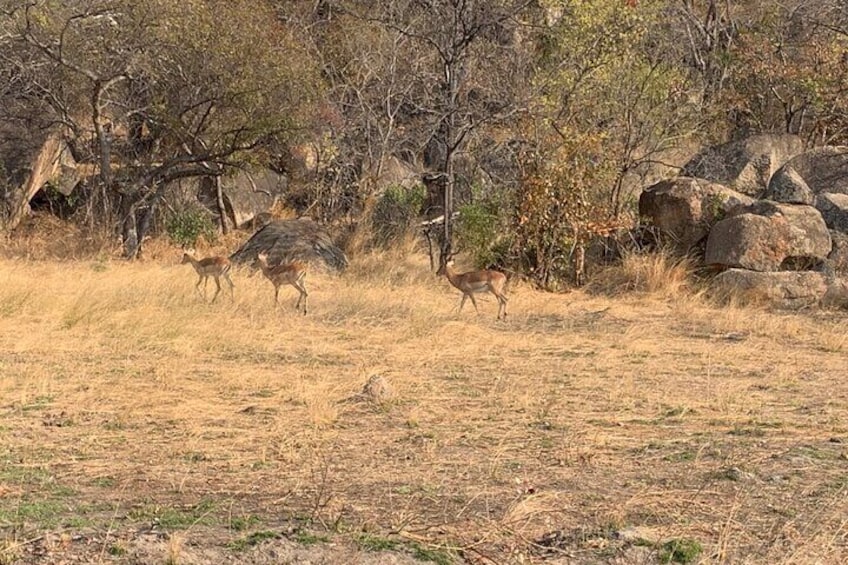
[684,208]
[283,240]
[765,235]
[790,247]
[787,185]
[837,260]
[746,165]
[245,195]
[824,169]
[834,210]
[787,289]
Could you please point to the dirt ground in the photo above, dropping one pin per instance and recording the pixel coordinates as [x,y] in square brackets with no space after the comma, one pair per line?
[141,424]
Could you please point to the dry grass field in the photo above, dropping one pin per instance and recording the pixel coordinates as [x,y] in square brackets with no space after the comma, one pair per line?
[140,424]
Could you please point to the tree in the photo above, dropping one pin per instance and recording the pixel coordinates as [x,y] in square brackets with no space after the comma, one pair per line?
[153,92]
[607,102]
[790,73]
[466,59]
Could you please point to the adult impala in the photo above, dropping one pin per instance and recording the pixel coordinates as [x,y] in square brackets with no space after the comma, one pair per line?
[292,272]
[474,282]
[215,267]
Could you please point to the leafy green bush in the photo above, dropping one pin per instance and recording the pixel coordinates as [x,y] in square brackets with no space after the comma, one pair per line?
[189,224]
[395,212]
[479,232]
[681,550]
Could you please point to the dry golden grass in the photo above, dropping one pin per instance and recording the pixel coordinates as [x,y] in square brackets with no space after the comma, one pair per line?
[129,402]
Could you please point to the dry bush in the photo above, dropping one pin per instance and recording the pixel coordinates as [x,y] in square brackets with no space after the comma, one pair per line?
[661,274]
[43,236]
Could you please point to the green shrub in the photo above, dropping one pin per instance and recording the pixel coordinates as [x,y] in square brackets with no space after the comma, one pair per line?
[189,224]
[681,550]
[479,232]
[396,212]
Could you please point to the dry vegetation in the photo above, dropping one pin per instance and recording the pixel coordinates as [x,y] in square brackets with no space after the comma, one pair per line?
[142,425]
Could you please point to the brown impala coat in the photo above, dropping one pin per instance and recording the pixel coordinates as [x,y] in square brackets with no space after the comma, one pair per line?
[292,273]
[215,267]
[477,281]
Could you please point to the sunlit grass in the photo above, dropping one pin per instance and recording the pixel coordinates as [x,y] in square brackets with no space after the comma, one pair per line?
[602,407]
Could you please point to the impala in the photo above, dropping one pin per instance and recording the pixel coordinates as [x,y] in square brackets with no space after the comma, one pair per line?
[477,281]
[216,267]
[292,273]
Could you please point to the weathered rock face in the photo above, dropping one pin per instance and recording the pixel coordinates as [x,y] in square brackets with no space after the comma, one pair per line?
[787,289]
[745,165]
[788,186]
[834,210]
[824,169]
[684,208]
[836,295]
[394,172]
[766,235]
[837,259]
[52,161]
[245,195]
[283,240]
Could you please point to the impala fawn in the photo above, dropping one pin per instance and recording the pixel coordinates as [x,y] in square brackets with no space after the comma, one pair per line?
[477,281]
[215,267]
[292,273]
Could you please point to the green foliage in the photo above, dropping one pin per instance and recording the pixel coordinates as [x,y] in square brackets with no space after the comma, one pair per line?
[436,556]
[561,195]
[186,226]
[480,232]
[681,550]
[714,208]
[396,212]
[255,538]
[241,523]
[374,543]
[308,538]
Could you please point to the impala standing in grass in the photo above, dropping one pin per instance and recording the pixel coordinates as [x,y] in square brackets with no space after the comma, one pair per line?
[216,267]
[292,273]
[477,281]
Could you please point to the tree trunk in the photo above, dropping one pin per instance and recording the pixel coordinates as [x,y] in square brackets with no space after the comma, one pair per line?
[222,210]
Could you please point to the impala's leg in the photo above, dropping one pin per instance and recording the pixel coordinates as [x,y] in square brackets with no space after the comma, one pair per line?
[296,285]
[462,302]
[501,303]
[474,302]
[301,288]
[217,290]
[276,295]
[303,294]
[200,279]
[230,281]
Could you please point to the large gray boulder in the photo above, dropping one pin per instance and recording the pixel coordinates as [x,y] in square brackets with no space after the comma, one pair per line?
[684,208]
[393,172]
[284,240]
[767,235]
[746,165]
[824,169]
[834,210]
[246,195]
[837,259]
[787,185]
[786,289]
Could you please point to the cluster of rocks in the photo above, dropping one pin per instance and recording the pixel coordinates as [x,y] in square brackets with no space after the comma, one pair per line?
[771,218]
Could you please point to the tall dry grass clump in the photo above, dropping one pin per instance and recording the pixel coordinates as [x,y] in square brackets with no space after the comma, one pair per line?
[660,274]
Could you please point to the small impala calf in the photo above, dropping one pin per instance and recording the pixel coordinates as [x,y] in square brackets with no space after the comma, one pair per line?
[292,273]
[216,267]
[477,281]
